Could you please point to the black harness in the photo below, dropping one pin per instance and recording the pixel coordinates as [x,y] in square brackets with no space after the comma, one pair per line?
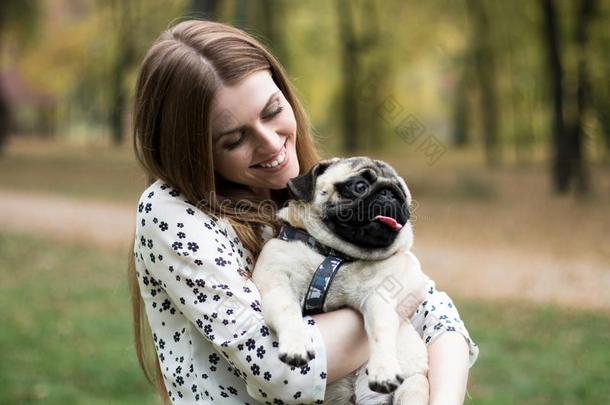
[320,282]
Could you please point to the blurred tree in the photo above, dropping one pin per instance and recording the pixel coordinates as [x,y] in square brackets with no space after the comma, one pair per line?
[581,98]
[125,21]
[600,94]
[271,22]
[365,74]
[4,120]
[484,65]
[461,107]
[521,118]
[601,103]
[350,68]
[568,153]
[241,14]
[17,17]
[560,170]
[206,9]
[517,63]
[376,50]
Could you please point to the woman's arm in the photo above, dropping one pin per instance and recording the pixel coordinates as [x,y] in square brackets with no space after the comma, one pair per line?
[345,340]
[448,369]
[451,351]
[347,349]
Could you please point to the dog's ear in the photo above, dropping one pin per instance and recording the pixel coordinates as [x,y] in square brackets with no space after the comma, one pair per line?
[303,187]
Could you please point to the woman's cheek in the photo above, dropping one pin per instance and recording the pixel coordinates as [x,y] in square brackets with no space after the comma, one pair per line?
[289,122]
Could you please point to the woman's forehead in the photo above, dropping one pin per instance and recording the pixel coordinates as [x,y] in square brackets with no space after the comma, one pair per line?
[242,100]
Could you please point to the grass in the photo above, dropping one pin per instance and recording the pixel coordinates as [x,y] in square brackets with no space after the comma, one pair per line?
[66,336]
[538,355]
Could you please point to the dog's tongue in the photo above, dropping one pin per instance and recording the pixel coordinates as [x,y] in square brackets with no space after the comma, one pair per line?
[389,221]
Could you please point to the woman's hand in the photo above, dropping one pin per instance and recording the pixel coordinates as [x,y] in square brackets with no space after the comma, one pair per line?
[448,369]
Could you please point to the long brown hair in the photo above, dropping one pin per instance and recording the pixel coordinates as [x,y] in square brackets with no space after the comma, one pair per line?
[173,139]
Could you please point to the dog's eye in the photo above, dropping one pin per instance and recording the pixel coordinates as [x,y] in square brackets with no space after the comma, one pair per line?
[360,187]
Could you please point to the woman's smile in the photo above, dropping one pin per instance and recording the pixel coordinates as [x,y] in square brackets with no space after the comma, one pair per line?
[276,163]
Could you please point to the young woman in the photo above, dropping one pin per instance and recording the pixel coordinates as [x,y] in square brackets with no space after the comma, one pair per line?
[219,132]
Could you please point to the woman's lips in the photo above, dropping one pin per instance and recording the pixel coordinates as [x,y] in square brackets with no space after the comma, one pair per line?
[280,157]
[276,168]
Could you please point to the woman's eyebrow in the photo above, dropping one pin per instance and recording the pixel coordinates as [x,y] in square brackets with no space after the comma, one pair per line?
[229,131]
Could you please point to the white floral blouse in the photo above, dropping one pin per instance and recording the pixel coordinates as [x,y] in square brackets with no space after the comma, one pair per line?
[205,313]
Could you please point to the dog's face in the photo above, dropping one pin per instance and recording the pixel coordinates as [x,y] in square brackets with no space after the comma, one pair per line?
[362,201]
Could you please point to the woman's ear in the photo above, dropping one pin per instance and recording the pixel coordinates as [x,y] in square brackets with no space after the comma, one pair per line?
[303,187]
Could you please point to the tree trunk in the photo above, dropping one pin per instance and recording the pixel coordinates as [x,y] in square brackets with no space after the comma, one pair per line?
[272,27]
[4,104]
[568,158]
[486,74]
[125,55]
[601,104]
[575,129]
[351,72]
[241,14]
[461,110]
[560,168]
[5,118]
[205,9]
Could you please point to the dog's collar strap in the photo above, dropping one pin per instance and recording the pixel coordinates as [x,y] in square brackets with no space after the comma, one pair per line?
[289,232]
[320,282]
[324,274]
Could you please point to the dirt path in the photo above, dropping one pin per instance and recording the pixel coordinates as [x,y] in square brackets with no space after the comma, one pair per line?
[470,273]
[103,224]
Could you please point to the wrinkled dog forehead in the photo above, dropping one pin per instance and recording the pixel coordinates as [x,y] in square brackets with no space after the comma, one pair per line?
[342,169]
[337,172]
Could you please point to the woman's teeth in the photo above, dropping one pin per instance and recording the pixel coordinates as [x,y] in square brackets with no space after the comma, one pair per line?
[275,162]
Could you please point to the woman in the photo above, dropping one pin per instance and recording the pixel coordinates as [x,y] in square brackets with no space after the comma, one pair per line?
[219,132]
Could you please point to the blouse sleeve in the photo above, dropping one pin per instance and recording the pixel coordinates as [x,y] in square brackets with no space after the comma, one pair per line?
[438,314]
[191,257]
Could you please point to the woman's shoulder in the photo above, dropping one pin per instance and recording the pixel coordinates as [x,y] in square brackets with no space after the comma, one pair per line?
[164,205]
[172,231]
[159,191]
[162,197]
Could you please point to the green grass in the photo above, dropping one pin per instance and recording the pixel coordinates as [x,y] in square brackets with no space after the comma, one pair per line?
[538,355]
[65,333]
[66,337]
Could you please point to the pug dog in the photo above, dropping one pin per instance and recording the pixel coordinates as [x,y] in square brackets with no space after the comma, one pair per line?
[355,212]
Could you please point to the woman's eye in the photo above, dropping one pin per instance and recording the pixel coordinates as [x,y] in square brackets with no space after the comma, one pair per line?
[235,144]
[274,112]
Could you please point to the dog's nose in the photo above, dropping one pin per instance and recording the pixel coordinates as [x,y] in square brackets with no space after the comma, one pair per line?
[388,194]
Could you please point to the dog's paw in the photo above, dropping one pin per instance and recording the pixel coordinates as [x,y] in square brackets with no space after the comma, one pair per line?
[413,391]
[384,381]
[296,352]
[297,359]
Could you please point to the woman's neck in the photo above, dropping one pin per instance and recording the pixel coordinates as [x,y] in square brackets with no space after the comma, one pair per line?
[279,197]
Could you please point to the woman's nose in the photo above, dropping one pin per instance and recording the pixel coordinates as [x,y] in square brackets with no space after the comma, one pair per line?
[268,140]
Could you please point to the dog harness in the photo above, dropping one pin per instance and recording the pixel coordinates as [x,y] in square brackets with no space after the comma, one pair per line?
[324,274]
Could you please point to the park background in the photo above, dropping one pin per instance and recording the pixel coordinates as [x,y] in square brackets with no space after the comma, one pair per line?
[496,113]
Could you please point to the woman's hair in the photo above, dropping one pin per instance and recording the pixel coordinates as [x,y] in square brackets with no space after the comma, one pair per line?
[172,139]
